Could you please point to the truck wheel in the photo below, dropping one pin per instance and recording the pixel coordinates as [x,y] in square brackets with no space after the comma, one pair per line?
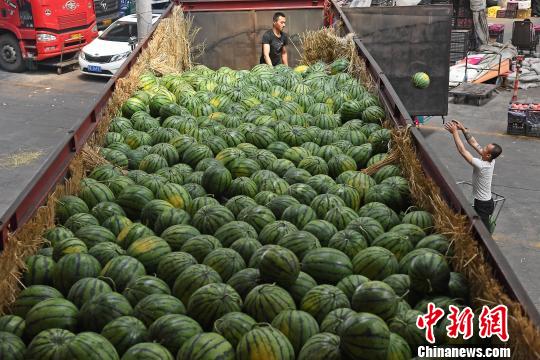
[10,54]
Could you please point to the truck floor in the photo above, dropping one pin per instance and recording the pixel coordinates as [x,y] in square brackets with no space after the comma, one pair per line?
[37,109]
[516,177]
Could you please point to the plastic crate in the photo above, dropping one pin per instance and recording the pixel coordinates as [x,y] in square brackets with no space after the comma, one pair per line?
[459,36]
[512,5]
[461,48]
[456,57]
[533,123]
[517,120]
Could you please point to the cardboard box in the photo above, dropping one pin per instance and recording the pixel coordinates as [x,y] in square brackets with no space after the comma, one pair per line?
[523,5]
[523,14]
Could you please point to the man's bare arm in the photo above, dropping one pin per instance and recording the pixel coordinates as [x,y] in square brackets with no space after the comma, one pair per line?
[453,129]
[266,53]
[468,136]
[472,141]
[284,57]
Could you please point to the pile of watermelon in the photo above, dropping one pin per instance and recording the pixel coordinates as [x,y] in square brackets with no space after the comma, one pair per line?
[233,222]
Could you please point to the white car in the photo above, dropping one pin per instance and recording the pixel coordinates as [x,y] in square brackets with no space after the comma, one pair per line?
[106,54]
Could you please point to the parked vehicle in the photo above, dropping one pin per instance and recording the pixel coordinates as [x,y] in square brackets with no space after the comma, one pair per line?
[34,30]
[107,11]
[105,55]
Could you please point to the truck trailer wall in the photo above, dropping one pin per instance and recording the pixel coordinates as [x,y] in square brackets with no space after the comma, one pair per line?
[233,38]
[405,40]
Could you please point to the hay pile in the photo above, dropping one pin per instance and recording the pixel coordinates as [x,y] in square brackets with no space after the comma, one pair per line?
[469,256]
[169,50]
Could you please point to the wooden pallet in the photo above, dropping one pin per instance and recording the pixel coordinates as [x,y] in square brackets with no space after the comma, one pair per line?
[474,94]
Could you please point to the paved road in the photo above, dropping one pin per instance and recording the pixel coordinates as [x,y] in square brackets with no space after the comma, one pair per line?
[36,111]
[516,177]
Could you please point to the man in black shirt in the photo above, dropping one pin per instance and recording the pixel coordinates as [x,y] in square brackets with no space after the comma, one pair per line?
[274,42]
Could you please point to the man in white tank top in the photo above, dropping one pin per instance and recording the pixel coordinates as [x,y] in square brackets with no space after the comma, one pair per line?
[482,168]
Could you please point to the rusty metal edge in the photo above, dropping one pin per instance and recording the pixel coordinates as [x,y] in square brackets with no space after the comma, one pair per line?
[451,193]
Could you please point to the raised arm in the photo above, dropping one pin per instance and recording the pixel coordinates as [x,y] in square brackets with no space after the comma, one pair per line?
[470,139]
[452,128]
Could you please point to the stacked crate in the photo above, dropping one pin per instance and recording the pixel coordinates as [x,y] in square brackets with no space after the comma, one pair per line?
[459,44]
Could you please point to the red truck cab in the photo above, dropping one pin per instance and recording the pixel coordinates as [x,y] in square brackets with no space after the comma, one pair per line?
[36,30]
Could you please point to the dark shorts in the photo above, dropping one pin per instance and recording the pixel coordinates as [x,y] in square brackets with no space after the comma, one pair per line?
[484,209]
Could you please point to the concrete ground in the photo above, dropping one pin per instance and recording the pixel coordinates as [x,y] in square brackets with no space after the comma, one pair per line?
[37,109]
[516,177]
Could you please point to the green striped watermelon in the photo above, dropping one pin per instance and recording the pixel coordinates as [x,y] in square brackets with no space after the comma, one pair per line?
[422,219]
[73,267]
[365,336]
[375,297]
[375,263]
[173,264]
[143,286]
[398,244]
[211,302]
[211,217]
[200,246]
[298,326]
[412,232]
[12,324]
[92,235]
[327,265]
[322,299]
[404,324]
[105,252]
[380,212]
[265,302]
[49,344]
[11,346]
[335,318]
[322,230]
[77,221]
[124,332]
[101,309]
[148,251]
[349,242]
[193,278]
[226,262]
[234,230]
[153,306]
[147,351]
[323,346]
[121,270]
[85,289]
[279,265]
[436,242]
[31,296]
[51,313]
[244,281]
[39,270]
[264,342]
[69,205]
[206,346]
[173,330]
[177,235]
[429,273]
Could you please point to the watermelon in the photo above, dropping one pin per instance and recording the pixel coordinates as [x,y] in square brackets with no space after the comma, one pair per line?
[368,227]
[279,265]
[398,244]
[105,252]
[153,306]
[404,324]
[380,212]
[350,283]
[264,339]
[173,264]
[340,216]
[265,302]
[11,346]
[299,215]
[49,344]
[322,299]
[234,230]
[335,318]
[412,232]
[327,265]
[193,278]
[31,296]
[51,313]
[422,219]
[170,217]
[39,270]
[323,346]
[298,326]
[200,246]
[77,221]
[211,302]
[94,194]
[299,242]
[101,309]
[85,289]
[458,287]
[148,251]
[211,217]
[321,204]
[173,330]
[226,262]
[57,233]
[233,325]
[73,267]
[124,332]
[121,270]
[116,223]
[349,242]
[206,346]
[322,230]
[12,324]
[436,242]
[429,274]
[143,286]
[177,235]
[405,262]
[244,281]
[69,205]
[420,80]
[133,198]
[400,283]
[376,263]
[375,297]
[365,336]
[147,351]
[152,209]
